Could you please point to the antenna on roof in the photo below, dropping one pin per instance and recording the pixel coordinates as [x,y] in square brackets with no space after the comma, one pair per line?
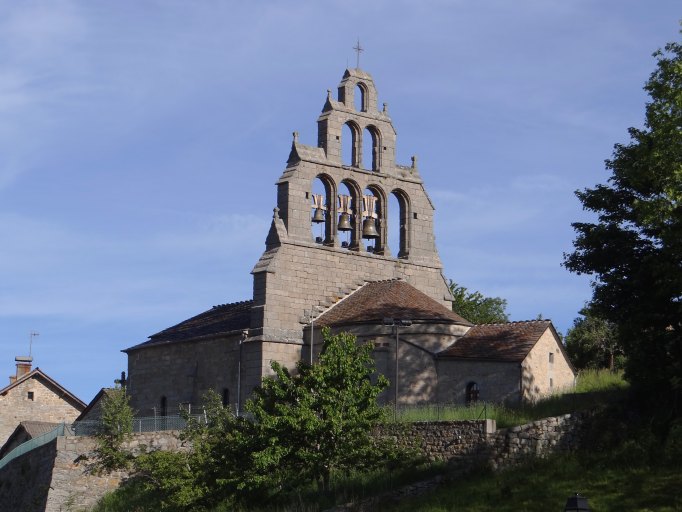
[31,335]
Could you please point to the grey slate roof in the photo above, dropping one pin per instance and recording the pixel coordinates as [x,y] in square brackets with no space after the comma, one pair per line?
[217,320]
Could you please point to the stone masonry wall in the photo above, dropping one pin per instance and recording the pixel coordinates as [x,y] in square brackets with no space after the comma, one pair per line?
[182,372]
[57,476]
[463,443]
[25,482]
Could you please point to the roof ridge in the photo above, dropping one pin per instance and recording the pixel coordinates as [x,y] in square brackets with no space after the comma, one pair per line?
[232,303]
[545,320]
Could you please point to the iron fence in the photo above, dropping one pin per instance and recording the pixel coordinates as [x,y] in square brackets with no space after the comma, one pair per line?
[437,412]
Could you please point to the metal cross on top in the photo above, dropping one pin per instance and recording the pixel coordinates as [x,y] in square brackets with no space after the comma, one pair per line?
[358,49]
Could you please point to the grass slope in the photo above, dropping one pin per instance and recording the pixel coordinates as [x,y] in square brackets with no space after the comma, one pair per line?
[609,482]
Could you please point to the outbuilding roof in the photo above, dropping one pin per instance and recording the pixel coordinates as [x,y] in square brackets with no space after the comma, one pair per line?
[511,341]
[394,298]
[217,320]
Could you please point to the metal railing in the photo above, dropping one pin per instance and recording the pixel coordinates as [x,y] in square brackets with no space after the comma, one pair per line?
[32,444]
[437,412]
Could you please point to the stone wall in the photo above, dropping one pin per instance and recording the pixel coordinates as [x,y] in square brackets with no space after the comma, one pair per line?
[544,374]
[57,477]
[25,482]
[479,442]
[47,404]
[182,372]
[558,434]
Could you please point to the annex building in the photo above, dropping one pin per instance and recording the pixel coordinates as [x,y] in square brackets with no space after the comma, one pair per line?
[328,263]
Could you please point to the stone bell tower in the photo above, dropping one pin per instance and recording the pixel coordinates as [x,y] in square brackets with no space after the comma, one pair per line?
[299,272]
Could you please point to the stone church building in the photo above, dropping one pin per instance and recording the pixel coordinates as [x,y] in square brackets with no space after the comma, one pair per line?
[327,263]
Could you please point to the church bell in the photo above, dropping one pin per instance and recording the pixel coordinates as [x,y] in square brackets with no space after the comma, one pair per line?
[369,228]
[318,216]
[369,225]
[344,222]
[318,203]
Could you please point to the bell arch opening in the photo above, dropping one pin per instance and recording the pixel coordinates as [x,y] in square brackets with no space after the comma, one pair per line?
[347,225]
[371,148]
[399,223]
[373,219]
[323,209]
[350,144]
[360,97]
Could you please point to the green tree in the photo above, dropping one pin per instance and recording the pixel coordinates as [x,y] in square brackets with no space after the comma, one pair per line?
[592,342]
[476,307]
[116,426]
[300,427]
[634,248]
[320,419]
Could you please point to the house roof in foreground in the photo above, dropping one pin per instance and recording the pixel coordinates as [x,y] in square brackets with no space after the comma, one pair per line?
[26,430]
[217,320]
[394,298]
[511,341]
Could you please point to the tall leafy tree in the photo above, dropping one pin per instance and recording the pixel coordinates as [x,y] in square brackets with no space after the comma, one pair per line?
[634,249]
[592,342]
[320,419]
[476,307]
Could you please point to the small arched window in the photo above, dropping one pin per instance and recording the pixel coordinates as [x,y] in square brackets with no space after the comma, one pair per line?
[360,97]
[226,397]
[371,149]
[349,145]
[164,406]
[472,393]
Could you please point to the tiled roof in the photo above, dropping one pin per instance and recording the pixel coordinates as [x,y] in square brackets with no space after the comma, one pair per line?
[217,320]
[387,299]
[38,428]
[500,342]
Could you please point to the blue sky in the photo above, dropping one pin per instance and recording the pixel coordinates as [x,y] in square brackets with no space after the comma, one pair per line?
[140,142]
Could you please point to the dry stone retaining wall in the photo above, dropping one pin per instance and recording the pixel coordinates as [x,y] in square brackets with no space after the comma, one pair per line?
[56,477]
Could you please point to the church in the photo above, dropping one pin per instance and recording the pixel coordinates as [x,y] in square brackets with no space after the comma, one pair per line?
[328,263]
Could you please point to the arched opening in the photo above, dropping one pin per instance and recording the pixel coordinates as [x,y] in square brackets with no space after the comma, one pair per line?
[399,224]
[226,397]
[350,140]
[346,222]
[322,210]
[360,97]
[471,393]
[371,155]
[163,406]
[373,219]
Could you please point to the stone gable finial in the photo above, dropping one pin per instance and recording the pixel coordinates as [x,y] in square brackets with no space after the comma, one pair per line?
[275,211]
[414,161]
[295,134]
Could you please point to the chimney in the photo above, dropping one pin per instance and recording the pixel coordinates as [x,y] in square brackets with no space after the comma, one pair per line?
[23,366]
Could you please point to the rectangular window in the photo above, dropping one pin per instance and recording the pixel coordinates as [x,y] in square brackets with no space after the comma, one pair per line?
[551,358]
[551,382]
[30,395]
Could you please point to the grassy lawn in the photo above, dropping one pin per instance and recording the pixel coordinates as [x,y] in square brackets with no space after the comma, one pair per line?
[609,482]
